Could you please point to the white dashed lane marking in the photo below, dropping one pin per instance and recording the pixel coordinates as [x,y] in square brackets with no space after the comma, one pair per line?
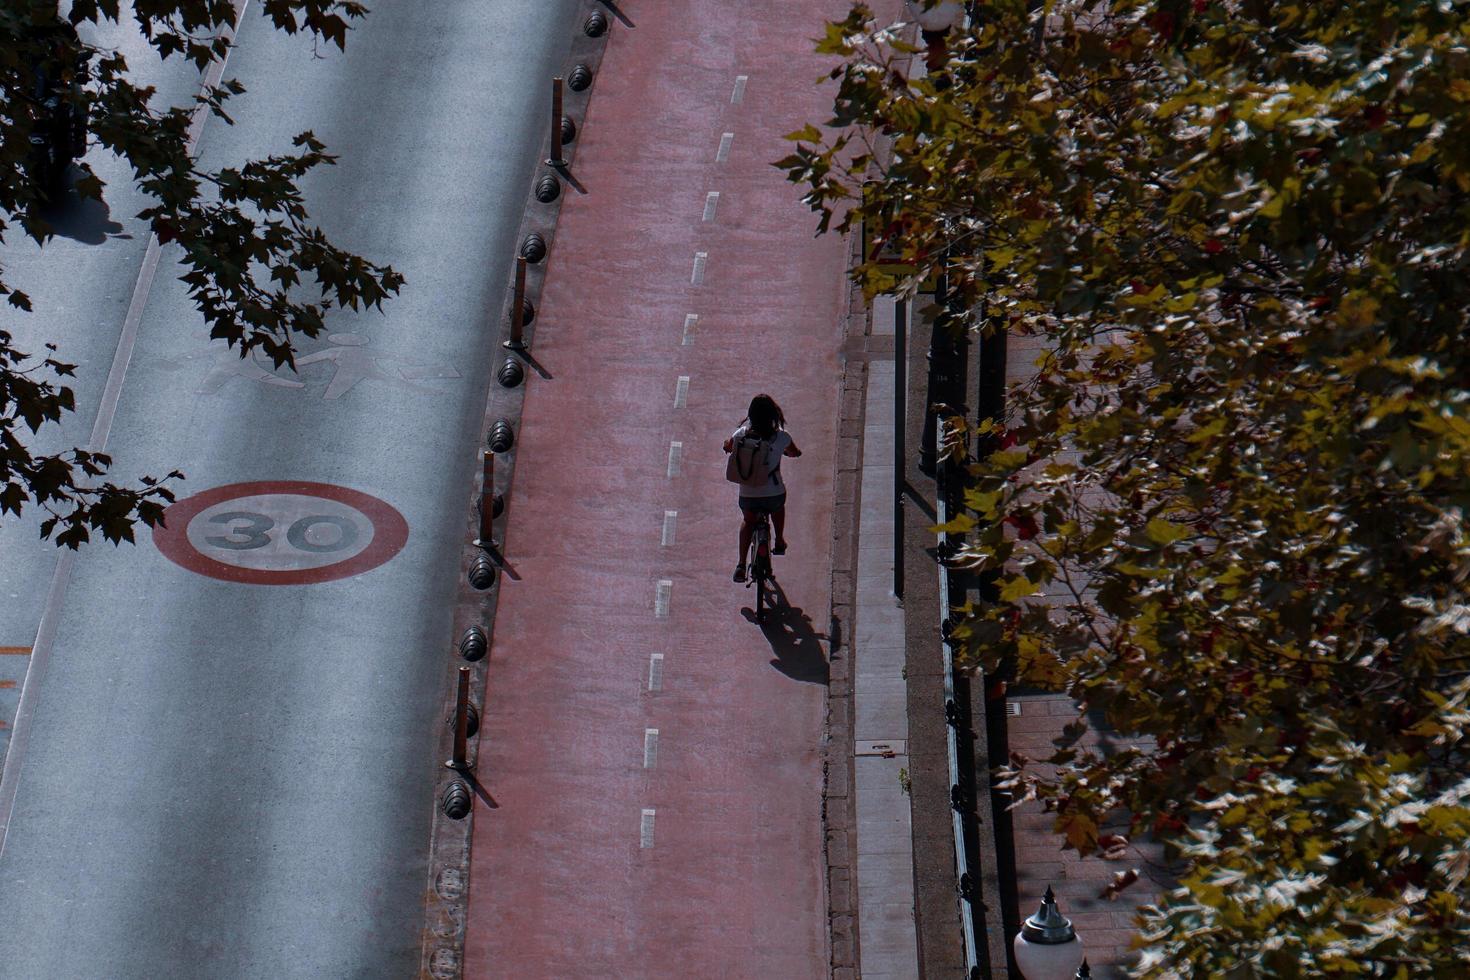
[676,456]
[738,95]
[691,320]
[697,276]
[723,153]
[661,597]
[681,391]
[645,829]
[655,671]
[711,201]
[650,747]
[671,518]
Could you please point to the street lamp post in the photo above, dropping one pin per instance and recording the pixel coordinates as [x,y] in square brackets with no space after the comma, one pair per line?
[1047,947]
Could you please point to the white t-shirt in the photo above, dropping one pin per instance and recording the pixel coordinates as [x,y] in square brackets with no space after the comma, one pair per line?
[775,446]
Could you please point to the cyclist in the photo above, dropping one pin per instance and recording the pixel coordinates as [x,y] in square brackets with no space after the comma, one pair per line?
[766,424]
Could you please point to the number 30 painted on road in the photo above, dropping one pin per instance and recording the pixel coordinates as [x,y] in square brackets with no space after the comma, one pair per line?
[280,533]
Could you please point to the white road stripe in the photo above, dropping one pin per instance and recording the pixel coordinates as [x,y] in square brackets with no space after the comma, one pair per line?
[738,95]
[645,829]
[723,153]
[650,747]
[655,671]
[697,276]
[661,597]
[671,517]
[711,201]
[20,728]
[681,391]
[691,320]
[676,456]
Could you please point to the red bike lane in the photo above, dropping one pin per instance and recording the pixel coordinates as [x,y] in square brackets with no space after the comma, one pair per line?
[654,754]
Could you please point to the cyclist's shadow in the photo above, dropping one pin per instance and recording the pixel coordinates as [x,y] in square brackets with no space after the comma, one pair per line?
[794,641]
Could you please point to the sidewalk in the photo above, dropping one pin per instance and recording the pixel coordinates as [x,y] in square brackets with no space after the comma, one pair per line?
[653,755]
[1034,727]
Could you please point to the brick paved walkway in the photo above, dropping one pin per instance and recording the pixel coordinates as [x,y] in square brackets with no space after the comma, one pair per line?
[1105,927]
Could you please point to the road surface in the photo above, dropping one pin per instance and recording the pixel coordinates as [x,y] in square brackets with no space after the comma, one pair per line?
[219,778]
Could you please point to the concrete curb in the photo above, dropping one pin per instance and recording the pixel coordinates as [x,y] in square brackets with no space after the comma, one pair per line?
[446,894]
[839,814]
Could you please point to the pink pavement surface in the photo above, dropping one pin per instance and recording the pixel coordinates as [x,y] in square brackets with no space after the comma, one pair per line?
[733,884]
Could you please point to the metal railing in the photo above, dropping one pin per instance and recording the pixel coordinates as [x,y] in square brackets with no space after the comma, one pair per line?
[957,714]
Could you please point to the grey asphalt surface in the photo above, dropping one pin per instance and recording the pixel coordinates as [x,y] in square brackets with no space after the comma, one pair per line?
[80,285]
[228,780]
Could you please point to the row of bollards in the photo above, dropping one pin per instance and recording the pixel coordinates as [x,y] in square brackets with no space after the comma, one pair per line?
[474,644]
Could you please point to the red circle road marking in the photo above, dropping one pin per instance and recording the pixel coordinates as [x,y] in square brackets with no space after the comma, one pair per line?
[388,528]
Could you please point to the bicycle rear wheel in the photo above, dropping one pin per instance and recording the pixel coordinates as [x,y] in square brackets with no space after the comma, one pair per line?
[762,600]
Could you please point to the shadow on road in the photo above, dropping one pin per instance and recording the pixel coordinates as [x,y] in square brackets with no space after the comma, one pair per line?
[566,175]
[618,13]
[82,219]
[795,642]
[480,791]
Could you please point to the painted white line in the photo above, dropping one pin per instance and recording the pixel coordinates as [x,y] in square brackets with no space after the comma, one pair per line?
[650,747]
[711,201]
[723,153]
[676,456]
[655,671]
[671,517]
[661,597]
[738,95]
[645,829]
[681,391]
[691,320]
[697,276]
[20,729]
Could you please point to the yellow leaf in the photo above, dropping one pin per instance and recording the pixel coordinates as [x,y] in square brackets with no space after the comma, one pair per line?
[1017,588]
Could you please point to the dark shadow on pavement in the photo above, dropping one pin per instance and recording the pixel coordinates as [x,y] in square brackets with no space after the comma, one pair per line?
[618,13]
[525,355]
[480,791]
[796,644]
[82,219]
[498,557]
[566,175]
[917,498]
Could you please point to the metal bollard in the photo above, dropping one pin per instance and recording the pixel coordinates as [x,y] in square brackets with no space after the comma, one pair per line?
[458,760]
[502,436]
[568,129]
[533,249]
[473,644]
[518,304]
[456,800]
[547,188]
[487,506]
[511,373]
[482,572]
[556,159]
[595,25]
[580,78]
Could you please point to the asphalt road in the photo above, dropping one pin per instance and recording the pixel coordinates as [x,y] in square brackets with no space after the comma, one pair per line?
[225,779]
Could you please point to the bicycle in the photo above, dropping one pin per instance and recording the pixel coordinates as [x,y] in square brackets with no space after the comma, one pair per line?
[761,575]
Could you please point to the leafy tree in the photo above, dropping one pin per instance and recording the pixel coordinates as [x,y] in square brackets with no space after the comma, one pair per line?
[242,233]
[1228,509]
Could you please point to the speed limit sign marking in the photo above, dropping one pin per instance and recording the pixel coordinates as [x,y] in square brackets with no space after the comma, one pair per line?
[280,533]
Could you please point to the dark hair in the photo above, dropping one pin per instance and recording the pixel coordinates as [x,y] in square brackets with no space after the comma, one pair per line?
[764,416]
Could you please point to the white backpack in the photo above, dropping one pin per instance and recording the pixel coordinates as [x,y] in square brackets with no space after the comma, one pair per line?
[749,462]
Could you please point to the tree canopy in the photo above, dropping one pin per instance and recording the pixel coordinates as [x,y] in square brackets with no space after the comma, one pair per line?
[259,271]
[1227,510]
